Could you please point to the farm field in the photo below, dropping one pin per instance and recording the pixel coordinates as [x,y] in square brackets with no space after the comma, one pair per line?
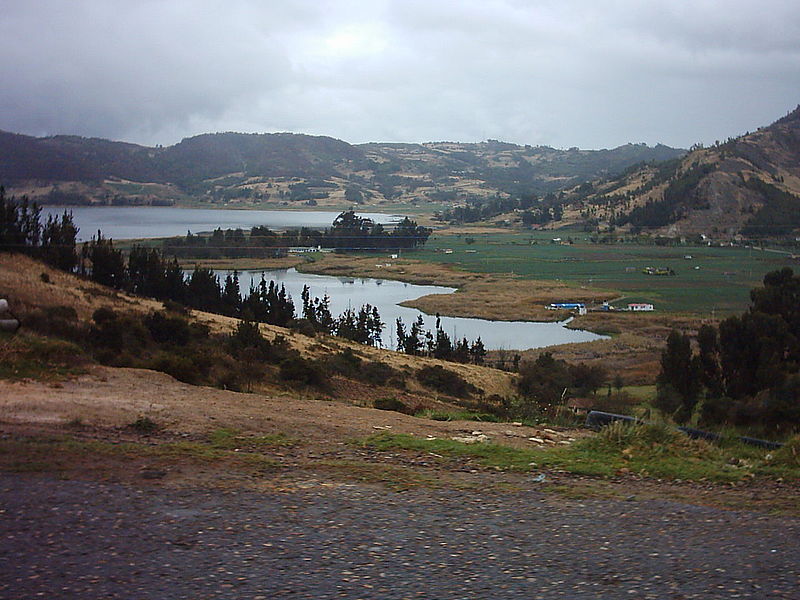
[715,280]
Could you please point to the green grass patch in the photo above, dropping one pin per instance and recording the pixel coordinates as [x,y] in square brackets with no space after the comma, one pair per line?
[231,439]
[655,451]
[27,356]
[59,453]
[641,392]
[464,415]
[488,454]
[721,283]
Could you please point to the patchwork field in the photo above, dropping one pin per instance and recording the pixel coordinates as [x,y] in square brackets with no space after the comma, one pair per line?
[714,281]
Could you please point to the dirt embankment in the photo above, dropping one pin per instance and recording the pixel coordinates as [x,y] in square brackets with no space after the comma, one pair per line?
[115,397]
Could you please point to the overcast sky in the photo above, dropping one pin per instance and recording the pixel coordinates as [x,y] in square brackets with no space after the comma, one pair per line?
[592,74]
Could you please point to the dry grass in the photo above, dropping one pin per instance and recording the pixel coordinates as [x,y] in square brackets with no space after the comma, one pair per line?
[634,351]
[507,299]
[494,297]
[22,285]
[245,264]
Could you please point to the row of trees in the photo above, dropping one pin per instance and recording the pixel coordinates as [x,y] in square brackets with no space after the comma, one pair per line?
[348,232]
[418,341]
[148,273]
[679,196]
[535,210]
[747,370]
[21,230]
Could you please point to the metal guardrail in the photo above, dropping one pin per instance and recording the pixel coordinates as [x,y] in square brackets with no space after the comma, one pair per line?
[597,419]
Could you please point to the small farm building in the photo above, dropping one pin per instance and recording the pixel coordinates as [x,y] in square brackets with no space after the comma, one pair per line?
[640,306]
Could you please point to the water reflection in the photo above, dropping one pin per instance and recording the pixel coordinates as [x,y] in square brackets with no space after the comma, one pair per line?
[386,294]
[135,222]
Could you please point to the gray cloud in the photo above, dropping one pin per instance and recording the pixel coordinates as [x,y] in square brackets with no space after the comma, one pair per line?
[562,73]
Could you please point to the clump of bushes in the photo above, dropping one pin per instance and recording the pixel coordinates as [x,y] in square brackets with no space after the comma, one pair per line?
[303,370]
[344,363]
[175,307]
[392,404]
[347,364]
[167,330]
[144,425]
[303,327]
[379,373]
[57,321]
[789,454]
[649,439]
[447,382]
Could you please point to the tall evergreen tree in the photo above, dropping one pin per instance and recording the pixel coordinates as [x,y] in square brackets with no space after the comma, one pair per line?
[107,262]
[679,380]
[58,242]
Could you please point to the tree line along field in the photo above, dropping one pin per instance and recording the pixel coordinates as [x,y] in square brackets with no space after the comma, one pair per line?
[721,284]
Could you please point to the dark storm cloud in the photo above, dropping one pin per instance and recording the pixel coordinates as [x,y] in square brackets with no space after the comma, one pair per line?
[562,73]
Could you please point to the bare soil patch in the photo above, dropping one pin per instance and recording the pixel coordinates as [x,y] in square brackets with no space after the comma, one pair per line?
[115,397]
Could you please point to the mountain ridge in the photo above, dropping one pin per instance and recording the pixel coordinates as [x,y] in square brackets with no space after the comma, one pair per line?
[748,185]
[289,168]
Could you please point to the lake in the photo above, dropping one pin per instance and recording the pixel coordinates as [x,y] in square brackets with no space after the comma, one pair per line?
[134,222]
[353,292]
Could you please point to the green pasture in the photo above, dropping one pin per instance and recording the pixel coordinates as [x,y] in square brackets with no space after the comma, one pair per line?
[714,280]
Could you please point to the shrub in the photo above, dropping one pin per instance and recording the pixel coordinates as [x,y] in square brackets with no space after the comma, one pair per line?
[167,330]
[392,404]
[175,307]
[345,363]
[789,454]
[302,370]
[303,327]
[103,314]
[180,367]
[58,321]
[499,406]
[446,382]
[118,333]
[379,373]
[144,425]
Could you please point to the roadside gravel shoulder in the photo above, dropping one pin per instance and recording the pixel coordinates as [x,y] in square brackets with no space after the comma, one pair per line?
[89,539]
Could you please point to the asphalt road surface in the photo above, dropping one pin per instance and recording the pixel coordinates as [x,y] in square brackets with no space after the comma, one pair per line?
[85,539]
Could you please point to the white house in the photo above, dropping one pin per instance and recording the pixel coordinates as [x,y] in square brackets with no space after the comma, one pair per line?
[640,306]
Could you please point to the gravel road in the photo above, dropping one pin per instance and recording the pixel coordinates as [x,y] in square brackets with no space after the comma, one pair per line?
[83,539]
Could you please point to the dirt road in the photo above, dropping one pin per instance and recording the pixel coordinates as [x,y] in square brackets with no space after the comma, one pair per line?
[88,539]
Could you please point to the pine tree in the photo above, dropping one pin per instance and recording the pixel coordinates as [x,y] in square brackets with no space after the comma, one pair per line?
[58,242]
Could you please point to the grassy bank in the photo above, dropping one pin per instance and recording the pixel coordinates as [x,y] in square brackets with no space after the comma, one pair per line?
[647,450]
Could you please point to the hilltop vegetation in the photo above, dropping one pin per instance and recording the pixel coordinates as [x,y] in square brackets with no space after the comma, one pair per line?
[748,185]
[296,170]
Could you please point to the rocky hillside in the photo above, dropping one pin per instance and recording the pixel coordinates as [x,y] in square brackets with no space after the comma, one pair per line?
[747,186]
[296,170]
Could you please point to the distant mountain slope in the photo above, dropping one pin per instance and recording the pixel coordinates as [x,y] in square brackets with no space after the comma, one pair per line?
[292,168]
[745,186]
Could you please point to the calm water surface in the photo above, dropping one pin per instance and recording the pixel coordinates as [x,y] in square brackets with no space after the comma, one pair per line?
[352,292]
[133,222]
[129,222]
